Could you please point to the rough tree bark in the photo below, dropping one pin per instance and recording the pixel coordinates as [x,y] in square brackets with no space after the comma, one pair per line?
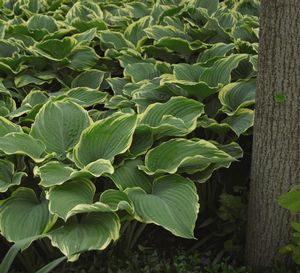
[276,144]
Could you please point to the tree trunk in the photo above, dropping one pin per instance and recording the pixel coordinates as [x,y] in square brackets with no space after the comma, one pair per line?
[276,143]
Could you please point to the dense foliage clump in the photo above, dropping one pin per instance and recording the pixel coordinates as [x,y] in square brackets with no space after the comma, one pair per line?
[114,111]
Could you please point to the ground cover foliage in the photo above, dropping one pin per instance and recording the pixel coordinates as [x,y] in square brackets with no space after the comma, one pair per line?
[121,111]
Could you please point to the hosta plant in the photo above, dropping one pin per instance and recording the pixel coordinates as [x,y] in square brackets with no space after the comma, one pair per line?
[113,111]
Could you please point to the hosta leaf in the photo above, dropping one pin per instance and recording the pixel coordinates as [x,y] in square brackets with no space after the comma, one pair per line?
[91,78]
[220,72]
[94,232]
[105,139]
[25,79]
[141,71]
[11,65]
[83,58]
[59,125]
[244,32]
[177,117]
[63,198]
[86,36]
[212,32]
[22,215]
[7,126]
[8,177]
[234,96]
[148,93]
[188,72]
[181,46]
[117,84]
[110,201]
[97,168]
[55,49]
[291,201]
[8,49]
[249,48]
[35,97]
[253,60]
[167,19]
[82,26]
[161,53]
[169,156]
[116,200]
[248,7]
[213,125]
[216,51]
[145,89]
[7,105]
[241,121]
[210,5]
[129,176]
[90,208]
[56,173]
[22,33]
[30,113]
[135,31]
[226,20]
[244,71]
[84,11]
[3,89]
[232,149]
[172,204]
[60,34]
[85,96]
[198,90]
[21,143]
[119,102]
[126,57]
[116,40]
[40,21]
[213,106]
[23,109]
[53,173]
[138,9]
[33,6]
[141,142]
[158,32]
